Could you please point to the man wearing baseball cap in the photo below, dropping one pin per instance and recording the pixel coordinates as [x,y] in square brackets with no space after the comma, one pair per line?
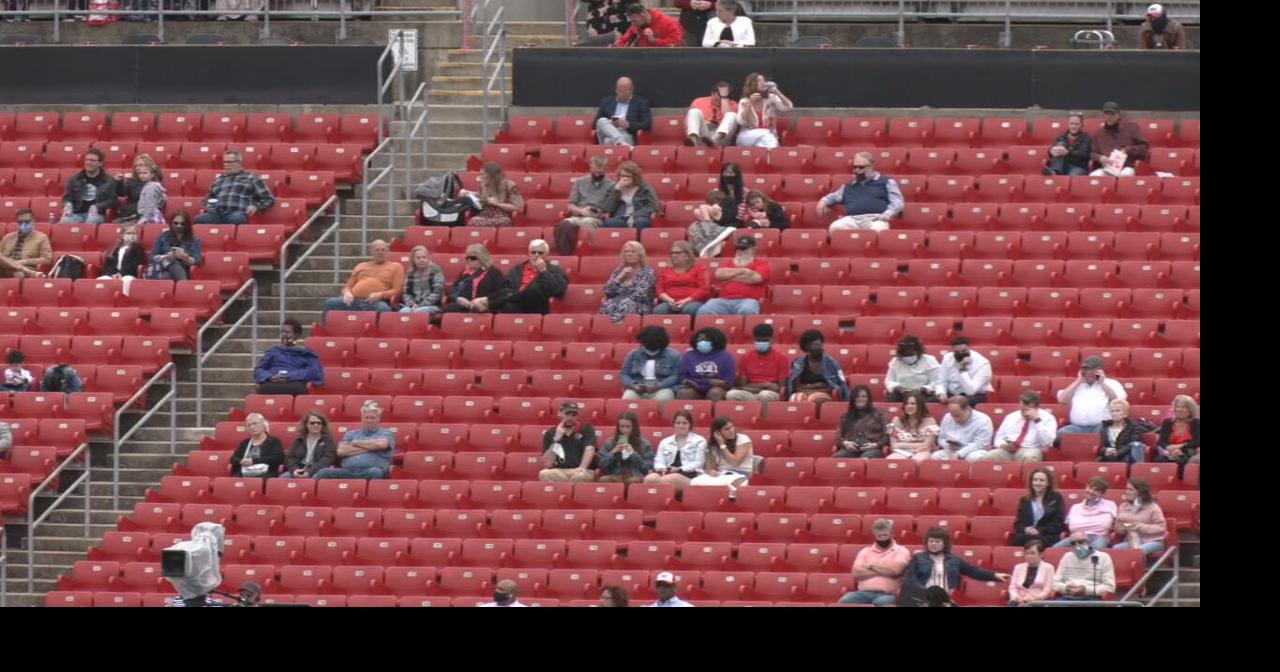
[1161,32]
[666,583]
[1116,133]
[568,448]
[743,285]
[1089,397]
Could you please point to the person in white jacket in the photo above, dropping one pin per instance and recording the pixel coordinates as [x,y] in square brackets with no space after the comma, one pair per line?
[966,372]
[913,369]
[729,28]
[1023,436]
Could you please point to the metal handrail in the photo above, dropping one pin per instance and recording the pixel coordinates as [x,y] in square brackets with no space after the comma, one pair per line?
[571,11]
[4,566]
[33,522]
[168,371]
[1171,552]
[419,128]
[495,33]
[248,285]
[370,182]
[286,271]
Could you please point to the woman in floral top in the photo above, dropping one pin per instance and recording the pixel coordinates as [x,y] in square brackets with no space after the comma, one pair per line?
[914,434]
[630,287]
[606,19]
[499,198]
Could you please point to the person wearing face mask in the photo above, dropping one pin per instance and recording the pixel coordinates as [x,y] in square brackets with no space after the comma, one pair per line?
[815,375]
[176,251]
[90,192]
[864,429]
[870,200]
[1085,573]
[966,372]
[937,566]
[289,367]
[588,202]
[1117,134]
[1023,436]
[504,595]
[684,285]
[718,111]
[24,250]
[651,371]
[1094,517]
[1070,153]
[914,370]
[743,285]
[762,371]
[1032,580]
[1161,32]
[1042,512]
[123,261]
[733,200]
[629,290]
[879,569]
[707,371]
[1088,398]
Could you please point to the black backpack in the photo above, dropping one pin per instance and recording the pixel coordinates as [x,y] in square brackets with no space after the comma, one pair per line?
[441,203]
[68,266]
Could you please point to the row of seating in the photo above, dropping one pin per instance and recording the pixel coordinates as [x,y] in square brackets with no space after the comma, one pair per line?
[47,207]
[119,381]
[262,242]
[180,160]
[176,325]
[102,598]
[45,295]
[44,351]
[359,129]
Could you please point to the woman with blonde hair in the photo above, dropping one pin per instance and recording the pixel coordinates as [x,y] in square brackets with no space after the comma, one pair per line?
[1121,437]
[632,202]
[499,198]
[758,112]
[123,261]
[144,192]
[1179,440]
[629,290]
[423,284]
[684,285]
[478,281]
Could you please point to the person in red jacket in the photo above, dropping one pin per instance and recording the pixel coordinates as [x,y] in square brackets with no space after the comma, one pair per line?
[650,28]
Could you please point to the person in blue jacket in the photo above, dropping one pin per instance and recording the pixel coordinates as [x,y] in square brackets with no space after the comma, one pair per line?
[288,367]
[936,566]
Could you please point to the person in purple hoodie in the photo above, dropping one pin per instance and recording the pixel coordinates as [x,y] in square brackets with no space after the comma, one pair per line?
[706,371]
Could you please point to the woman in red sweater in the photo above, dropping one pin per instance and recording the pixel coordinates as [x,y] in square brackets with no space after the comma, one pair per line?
[684,285]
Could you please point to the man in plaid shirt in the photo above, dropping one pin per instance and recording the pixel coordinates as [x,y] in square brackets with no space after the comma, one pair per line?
[240,194]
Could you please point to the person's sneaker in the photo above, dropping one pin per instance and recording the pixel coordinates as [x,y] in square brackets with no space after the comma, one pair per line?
[1046,171]
[691,141]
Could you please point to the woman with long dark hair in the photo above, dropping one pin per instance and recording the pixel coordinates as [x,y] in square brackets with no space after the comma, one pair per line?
[914,434]
[864,429]
[176,251]
[627,457]
[1042,513]
[730,458]
[499,198]
[312,450]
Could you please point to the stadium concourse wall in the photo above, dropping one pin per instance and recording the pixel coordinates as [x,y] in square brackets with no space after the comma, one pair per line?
[861,78]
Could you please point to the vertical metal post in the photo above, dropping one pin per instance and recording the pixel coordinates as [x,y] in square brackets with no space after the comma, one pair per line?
[57,21]
[1006,40]
[795,20]
[902,22]
[1111,10]
[88,481]
[266,21]
[337,244]
[342,19]
[173,415]
[253,339]
[160,20]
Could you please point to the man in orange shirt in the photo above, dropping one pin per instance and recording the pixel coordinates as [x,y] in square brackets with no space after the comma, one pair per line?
[373,285]
[718,110]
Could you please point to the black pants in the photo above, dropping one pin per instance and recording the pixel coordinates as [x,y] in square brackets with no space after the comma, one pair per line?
[294,388]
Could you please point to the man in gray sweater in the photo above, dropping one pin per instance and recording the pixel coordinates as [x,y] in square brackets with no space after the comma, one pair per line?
[1084,573]
[587,204]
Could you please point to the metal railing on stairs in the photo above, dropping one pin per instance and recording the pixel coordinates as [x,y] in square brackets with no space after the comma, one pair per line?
[334,230]
[493,37]
[249,287]
[4,566]
[51,481]
[169,374]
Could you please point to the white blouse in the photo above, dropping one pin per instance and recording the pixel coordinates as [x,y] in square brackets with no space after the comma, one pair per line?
[744,32]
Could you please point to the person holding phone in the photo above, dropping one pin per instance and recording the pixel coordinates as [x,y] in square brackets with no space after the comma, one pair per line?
[627,457]
[1089,398]
[176,251]
[1070,153]
[864,429]
[730,460]
[651,371]
[568,449]
[963,432]
[966,372]
[622,116]
[1023,436]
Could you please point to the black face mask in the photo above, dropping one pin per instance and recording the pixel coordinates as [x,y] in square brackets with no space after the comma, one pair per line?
[597,178]
[502,598]
[884,543]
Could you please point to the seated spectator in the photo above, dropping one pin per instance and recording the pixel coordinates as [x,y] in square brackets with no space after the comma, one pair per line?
[1025,435]
[706,233]
[366,452]
[762,213]
[587,203]
[504,595]
[815,375]
[937,566]
[730,459]
[568,449]
[666,585]
[1088,398]
[1139,520]
[914,434]
[606,22]
[763,372]
[879,569]
[614,596]
[1072,151]
[123,261]
[532,284]
[684,285]
[499,198]
[1161,32]
[373,284]
[651,371]
[1079,577]
[713,119]
[694,15]
[1117,134]
[90,193]
[964,432]
[632,202]
[1179,439]
[743,285]
[621,116]
[478,281]
[729,28]
[1122,436]
[681,457]
[143,192]
[758,111]
[236,194]
[24,250]
[627,457]
[260,455]
[650,28]
[870,200]
[288,368]
[914,370]
[61,378]
[17,378]
[1094,517]
[1042,513]
[176,251]
[629,290]
[734,201]
[707,371]
[1032,580]
[864,430]
[312,450]
[966,372]
[423,285]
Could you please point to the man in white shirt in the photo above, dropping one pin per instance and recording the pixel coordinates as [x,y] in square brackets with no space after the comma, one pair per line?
[505,595]
[666,583]
[1089,398]
[966,372]
[1023,436]
[965,432]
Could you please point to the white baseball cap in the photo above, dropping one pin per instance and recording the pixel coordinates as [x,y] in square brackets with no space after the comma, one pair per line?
[665,577]
[1155,9]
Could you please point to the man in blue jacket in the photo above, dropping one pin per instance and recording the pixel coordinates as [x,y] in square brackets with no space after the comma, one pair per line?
[622,116]
[288,367]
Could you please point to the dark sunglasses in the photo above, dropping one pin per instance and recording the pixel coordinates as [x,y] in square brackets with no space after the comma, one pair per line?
[1079,543]
[857,167]
[315,422]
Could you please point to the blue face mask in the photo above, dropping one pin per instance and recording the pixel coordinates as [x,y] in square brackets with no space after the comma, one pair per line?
[26,227]
[704,347]
[762,346]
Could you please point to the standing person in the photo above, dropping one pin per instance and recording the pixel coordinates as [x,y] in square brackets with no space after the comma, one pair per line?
[966,372]
[684,285]
[260,455]
[477,281]
[1179,438]
[1023,436]
[621,117]
[24,250]
[712,119]
[1161,32]
[650,28]
[288,368]
[879,569]
[1032,580]
[1071,152]
[312,450]
[763,371]
[815,375]
[629,290]
[1085,573]
[914,434]
[870,200]
[373,284]
[1121,436]
[532,284]
[236,194]
[144,193]
[914,370]
[743,285]
[937,566]
[632,202]
[1094,517]
[1139,520]
[90,193]
[1117,134]
[176,251]
[681,457]
[864,429]
[762,102]
[729,28]
[964,431]
[651,371]
[365,452]
[123,261]
[626,457]
[568,449]
[587,203]
[1042,513]
[499,198]
[1088,397]
[730,458]
[694,16]
[707,370]
[423,285]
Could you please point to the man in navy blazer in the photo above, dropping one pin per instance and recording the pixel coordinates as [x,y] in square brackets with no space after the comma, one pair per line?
[620,117]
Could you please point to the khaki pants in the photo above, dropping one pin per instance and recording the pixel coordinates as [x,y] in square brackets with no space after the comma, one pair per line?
[664,394]
[696,124]
[619,478]
[859,223]
[1002,455]
[743,395]
[565,476]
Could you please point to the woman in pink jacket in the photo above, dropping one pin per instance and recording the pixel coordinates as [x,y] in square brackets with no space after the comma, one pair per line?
[1032,580]
[1140,520]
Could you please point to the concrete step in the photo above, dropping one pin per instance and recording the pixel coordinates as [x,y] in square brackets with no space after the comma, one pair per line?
[23,599]
[477,68]
[526,28]
[469,130]
[441,84]
[1184,602]
[73,530]
[455,111]
[43,573]
[74,517]
[475,98]
[471,145]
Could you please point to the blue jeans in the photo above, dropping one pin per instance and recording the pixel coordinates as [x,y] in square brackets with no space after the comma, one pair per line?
[1079,429]
[73,218]
[223,216]
[1059,167]
[730,307]
[1147,548]
[365,473]
[875,597]
[421,309]
[358,304]
[640,223]
[690,308]
[1097,541]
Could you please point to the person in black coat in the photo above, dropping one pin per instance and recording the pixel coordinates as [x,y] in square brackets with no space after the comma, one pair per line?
[313,429]
[532,284]
[1053,519]
[479,280]
[763,213]
[922,568]
[1127,446]
[1071,152]
[1179,439]
[115,266]
[258,450]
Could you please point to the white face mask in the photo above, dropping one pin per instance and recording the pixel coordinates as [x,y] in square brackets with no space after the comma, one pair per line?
[911,361]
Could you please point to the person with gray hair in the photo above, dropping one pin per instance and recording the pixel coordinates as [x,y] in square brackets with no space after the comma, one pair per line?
[236,194]
[373,284]
[879,568]
[587,205]
[532,284]
[260,455]
[365,452]
[423,285]
[870,200]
